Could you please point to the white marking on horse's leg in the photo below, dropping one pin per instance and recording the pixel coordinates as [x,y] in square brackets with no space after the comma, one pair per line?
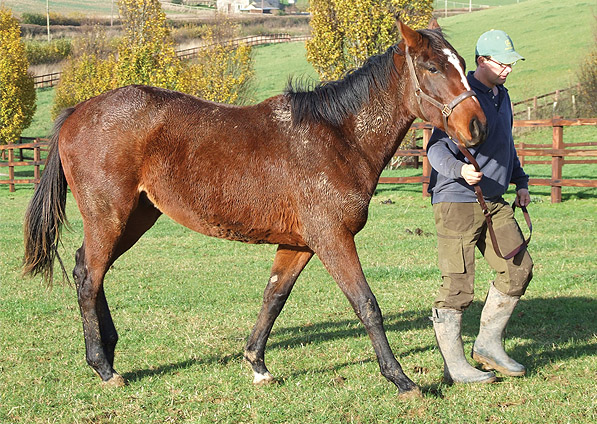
[262,378]
[273,279]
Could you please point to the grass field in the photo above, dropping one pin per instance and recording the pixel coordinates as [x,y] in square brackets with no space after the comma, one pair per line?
[184,305]
[89,7]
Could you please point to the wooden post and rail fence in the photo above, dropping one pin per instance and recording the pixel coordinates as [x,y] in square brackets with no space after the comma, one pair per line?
[52,79]
[558,153]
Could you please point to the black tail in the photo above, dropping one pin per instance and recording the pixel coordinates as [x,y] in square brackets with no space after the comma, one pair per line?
[46,214]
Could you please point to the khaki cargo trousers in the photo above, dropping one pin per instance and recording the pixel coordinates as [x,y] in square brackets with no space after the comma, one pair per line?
[460,228]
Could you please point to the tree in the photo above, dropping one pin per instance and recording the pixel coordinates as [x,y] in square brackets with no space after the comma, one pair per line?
[587,77]
[146,54]
[17,92]
[346,32]
[88,72]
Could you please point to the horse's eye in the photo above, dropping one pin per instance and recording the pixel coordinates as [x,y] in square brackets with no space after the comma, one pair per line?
[433,70]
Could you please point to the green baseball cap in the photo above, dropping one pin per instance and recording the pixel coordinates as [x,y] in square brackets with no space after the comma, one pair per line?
[498,45]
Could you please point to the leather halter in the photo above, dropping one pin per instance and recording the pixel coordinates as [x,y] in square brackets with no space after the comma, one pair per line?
[446,110]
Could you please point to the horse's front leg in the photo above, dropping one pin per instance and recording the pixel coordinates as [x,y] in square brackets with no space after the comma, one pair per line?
[338,254]
[288,264]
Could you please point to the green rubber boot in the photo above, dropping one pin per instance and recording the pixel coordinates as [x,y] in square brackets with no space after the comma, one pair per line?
[447,324]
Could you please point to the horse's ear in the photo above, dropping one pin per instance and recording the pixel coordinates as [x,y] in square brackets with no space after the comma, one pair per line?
[411,37]
[433,24]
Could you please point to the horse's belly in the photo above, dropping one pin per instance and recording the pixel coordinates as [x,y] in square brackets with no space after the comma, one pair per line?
[239,224]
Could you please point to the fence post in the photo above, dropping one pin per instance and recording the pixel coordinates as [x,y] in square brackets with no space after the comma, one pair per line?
[36,159]
[557,161]
[426,164]
[11,170]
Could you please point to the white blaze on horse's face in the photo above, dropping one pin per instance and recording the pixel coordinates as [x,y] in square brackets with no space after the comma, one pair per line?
[453,59]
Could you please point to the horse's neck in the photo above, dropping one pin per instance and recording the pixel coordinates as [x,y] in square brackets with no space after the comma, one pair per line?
[380,127]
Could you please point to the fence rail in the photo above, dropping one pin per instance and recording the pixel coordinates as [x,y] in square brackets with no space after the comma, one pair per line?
[529,108]
[50,80]
[8,151]
[557,153]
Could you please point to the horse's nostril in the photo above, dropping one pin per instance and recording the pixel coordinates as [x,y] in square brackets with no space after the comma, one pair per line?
[478,130]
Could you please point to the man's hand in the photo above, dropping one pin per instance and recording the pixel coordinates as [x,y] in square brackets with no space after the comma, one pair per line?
[470,175]
[523,198]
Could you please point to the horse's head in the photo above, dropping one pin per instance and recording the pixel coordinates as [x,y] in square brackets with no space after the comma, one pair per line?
[438,91]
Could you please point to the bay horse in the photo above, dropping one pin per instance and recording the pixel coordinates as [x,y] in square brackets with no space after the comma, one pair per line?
[297,170]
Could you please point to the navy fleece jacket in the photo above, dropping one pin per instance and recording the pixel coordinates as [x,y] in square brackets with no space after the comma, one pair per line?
[497,156]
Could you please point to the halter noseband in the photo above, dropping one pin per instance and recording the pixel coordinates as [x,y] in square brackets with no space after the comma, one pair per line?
[446,109]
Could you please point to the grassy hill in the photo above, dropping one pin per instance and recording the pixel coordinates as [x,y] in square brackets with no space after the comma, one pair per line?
[89,7]
[554,36]
[541,30]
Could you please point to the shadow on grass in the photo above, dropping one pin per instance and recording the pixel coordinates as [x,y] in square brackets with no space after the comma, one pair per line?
[552,329]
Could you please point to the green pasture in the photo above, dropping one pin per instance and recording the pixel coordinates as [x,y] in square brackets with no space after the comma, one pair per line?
[184,305]
[554,37]
[89,7]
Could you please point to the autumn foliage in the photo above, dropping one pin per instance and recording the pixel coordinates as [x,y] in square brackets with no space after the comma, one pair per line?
[146,55]
[346,32]
[17,93]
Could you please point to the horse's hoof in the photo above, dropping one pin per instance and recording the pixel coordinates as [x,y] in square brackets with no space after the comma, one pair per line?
[263,379]
[414,393]
[116,381]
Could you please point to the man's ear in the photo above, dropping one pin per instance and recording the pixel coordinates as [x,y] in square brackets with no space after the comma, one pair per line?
[411,37]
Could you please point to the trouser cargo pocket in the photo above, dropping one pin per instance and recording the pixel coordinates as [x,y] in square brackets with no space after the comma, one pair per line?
[450,254]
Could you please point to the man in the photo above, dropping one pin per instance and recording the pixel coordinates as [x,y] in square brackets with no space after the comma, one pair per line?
[461,225]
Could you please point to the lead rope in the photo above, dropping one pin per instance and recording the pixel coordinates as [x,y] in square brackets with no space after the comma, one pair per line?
[487,214]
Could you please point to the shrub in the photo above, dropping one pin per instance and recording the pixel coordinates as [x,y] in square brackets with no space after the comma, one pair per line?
[39,52]
[55,19]
[17,93]
[34,18]
[587,77]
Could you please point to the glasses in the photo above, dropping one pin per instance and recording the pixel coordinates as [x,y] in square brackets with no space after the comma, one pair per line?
[500,64]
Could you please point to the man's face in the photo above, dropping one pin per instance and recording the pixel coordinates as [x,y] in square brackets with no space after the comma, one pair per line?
[497,72]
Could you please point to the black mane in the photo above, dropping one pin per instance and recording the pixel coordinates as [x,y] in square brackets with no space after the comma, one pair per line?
[333,101]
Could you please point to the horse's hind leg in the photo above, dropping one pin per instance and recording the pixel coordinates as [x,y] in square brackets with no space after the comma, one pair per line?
[109,336]
[92,261]
[288,264]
